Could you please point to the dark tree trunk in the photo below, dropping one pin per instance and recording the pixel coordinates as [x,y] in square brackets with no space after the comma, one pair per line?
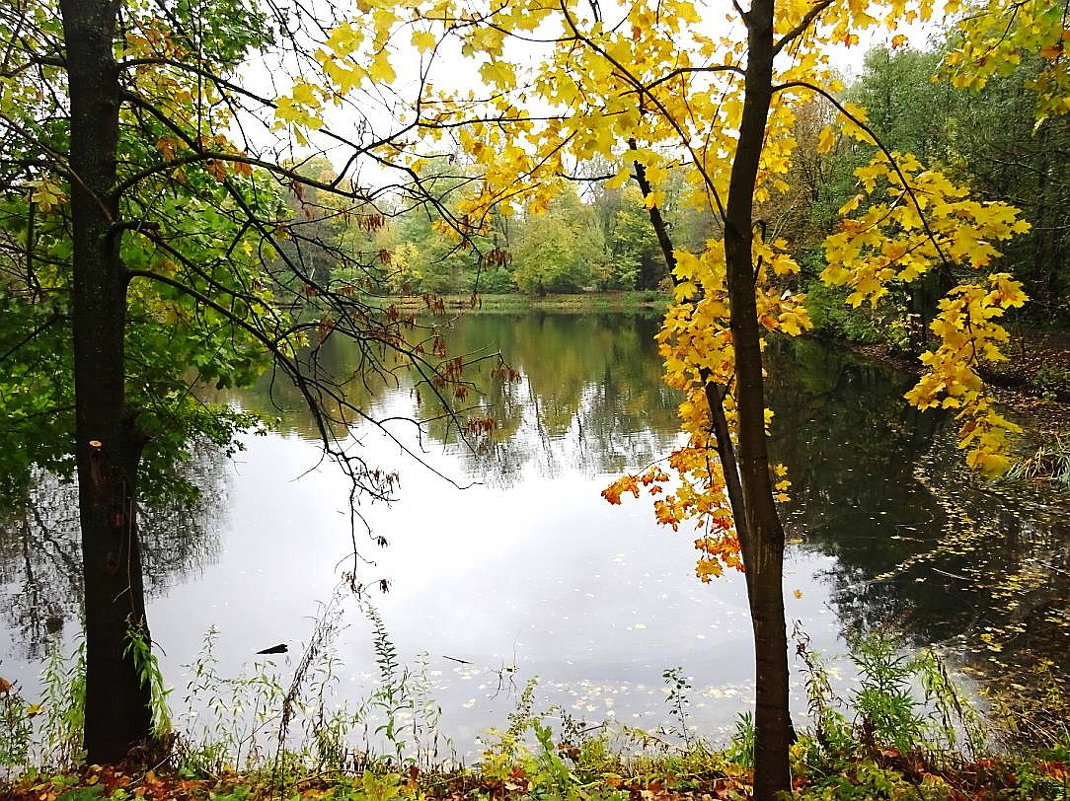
[747,479]
[648,278]
[1045,229]
[763,546]
[108,447]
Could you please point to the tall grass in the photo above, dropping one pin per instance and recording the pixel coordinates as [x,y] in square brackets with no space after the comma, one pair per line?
[904,702]
[904,719]
[1049,462]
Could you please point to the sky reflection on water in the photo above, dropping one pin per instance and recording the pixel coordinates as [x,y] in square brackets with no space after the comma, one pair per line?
[540,578]
[530,573]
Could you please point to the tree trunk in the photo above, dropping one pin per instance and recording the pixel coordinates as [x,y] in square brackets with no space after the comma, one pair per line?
[108,447]
[763,548]
[750,489]
[1044,230]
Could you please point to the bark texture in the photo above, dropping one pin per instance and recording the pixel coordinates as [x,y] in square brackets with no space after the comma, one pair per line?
[108,447]
[763,545]
[746,467]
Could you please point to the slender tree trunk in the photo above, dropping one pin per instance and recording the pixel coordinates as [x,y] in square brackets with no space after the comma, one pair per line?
[1045,265]
[764,550]
[747,479]
[108,447]
[715,392]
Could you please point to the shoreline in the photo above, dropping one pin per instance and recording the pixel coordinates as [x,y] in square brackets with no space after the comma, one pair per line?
[586,302]
[1033,384]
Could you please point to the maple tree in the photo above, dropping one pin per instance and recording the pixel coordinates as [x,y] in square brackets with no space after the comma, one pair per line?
[995,35]
[989,136]
[674,88]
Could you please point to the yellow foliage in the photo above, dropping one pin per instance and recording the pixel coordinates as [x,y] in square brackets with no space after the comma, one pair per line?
[926,223]
[826,140]
[381,69]
[304,94]
[288,111]
[654,83]
[47,193]
[423,40]
[995,35]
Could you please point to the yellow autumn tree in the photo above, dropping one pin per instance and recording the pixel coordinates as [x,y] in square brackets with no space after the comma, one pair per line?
[995,35]
[705,92]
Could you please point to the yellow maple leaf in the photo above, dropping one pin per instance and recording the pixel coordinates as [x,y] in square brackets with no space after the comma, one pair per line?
[381,69]
[826,140]
[499,73]
[304,93]
[423,40]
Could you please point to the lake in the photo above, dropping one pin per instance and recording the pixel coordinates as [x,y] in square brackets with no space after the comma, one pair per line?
[527,572]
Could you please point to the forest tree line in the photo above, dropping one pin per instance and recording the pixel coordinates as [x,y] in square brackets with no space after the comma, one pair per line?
[595,237]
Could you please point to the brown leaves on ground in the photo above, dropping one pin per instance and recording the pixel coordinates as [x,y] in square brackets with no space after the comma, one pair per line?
[1033,383]
[981,780]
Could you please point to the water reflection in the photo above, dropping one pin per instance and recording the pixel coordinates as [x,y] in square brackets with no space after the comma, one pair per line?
[589,396]
[921,547]
[586,394]
[39,564]
[530,572]
[851,445]
[40,554]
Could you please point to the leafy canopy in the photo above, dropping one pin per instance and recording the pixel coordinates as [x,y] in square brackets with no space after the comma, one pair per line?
[189,231]
[227,277]
[658,86]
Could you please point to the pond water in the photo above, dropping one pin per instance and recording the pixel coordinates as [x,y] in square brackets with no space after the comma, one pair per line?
[528,572]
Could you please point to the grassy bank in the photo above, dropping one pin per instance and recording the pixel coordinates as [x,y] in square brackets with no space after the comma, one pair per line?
[583,771]
[905,732]
[585,302]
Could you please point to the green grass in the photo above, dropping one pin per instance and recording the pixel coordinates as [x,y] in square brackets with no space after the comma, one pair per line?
[904,732]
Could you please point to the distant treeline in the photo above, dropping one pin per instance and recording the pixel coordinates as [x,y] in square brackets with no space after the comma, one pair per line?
[594,237]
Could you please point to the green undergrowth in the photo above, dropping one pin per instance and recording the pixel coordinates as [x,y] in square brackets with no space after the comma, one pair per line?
[903,730]
[1049,462]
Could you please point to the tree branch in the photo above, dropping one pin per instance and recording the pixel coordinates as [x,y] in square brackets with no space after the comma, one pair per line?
[804,23]
[946,263]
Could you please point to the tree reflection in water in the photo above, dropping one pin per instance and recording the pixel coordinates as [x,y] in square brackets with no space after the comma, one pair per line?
[40,552]
[921,546]
[586,393]
[917,544]
[589,395]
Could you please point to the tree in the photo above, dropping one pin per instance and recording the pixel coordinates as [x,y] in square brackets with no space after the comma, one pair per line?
[554,249]
[894,81]
[995,37]
[1009,154]
[987,137]
[139,246]
[648,88]
[1005,47]
[633,245]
